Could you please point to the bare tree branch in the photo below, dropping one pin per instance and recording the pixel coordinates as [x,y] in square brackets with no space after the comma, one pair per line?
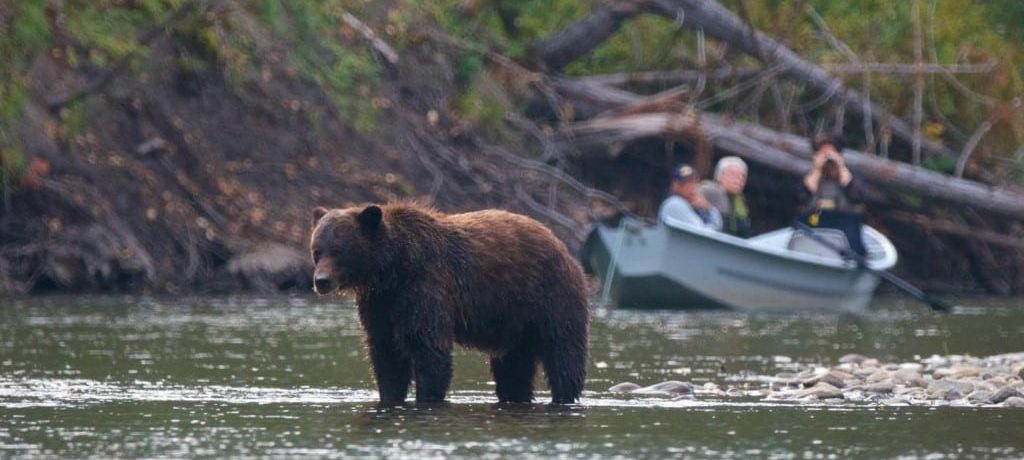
[891,68]
[370,36]
[965,154]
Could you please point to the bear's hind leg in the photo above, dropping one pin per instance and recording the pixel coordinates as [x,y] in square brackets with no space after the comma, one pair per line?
[565,363]
[566,374]
[513,375]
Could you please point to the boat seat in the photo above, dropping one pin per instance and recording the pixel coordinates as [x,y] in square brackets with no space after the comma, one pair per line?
[801,242]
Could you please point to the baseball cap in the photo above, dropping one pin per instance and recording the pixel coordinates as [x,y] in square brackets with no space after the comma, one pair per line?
[684,172]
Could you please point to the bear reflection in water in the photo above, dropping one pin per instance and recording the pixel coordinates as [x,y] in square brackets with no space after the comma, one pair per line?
[424,281]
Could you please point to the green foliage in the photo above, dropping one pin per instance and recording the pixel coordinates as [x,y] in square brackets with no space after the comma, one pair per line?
[509,26]
[483,102]
[12,166]
[648,43]
[343,66]
[105,32]
[29,35]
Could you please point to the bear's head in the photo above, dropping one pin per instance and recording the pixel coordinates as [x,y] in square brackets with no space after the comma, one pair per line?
[346,246]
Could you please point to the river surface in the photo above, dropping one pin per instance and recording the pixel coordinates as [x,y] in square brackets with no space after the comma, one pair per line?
[286,377]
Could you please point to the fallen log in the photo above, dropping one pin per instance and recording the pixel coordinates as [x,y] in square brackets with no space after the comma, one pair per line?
[580,38]
[894,174]
[573,42]
[670,77]
[948,227]
[784,152]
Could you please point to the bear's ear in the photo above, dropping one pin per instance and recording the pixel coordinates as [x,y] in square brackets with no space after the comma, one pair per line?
[318,213]
[369,218]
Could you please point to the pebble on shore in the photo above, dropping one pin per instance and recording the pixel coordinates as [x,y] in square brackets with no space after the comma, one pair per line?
[996,381]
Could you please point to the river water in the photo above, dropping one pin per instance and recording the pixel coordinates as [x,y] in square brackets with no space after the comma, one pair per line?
[287,377]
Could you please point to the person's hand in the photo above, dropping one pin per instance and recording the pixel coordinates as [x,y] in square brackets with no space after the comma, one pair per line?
[838,159]
[700,202]
[819,160]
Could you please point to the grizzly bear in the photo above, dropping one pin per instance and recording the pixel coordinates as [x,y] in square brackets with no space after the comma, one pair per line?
[424,281]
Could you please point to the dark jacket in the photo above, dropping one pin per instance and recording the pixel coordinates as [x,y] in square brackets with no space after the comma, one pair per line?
[831,196]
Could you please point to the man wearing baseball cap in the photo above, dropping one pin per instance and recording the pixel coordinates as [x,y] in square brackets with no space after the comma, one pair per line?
[686,204]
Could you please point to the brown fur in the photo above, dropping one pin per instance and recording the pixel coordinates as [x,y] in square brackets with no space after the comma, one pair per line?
[424,280]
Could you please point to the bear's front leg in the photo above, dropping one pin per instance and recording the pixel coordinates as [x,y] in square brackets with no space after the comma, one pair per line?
[392,367]
[429,341]
[432,365]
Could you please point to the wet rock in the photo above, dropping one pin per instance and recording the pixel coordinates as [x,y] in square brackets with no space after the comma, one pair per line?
[879,376]
[997,381]
[1015,401]
[912,366]
[821,390]
[984,386]
[833,377]
[909,377]
[864,372]
[913,393]
[949,390]
[957,372]
[1005,393]
[989,373]
[852,358]
[271,268]
[878,387]
[669,387]
[980,397]
[624,387]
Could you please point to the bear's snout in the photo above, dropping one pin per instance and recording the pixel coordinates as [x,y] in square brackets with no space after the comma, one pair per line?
[322,284]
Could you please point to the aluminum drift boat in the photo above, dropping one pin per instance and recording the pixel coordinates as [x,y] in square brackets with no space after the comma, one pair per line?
[680,266]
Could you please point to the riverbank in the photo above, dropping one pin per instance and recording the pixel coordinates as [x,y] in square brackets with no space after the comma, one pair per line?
[181,151]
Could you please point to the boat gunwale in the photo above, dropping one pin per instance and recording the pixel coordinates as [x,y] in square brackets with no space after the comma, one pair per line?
[887,261]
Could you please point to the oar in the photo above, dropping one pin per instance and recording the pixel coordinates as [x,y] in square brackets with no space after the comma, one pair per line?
[935,304]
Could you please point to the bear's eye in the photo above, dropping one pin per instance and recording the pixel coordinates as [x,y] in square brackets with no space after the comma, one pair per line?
[316,256]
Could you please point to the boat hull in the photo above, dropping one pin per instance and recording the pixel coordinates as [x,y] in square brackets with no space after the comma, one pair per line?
[662,267]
